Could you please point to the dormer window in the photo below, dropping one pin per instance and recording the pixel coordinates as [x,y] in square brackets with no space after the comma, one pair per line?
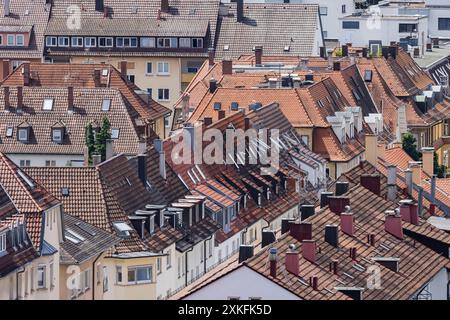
[9,132]
[115,133]
[63,41]
[47,105]
[122,229]
[20,40]
[11,40]
[106,105]
[23,134]
[57,135]
[51,41]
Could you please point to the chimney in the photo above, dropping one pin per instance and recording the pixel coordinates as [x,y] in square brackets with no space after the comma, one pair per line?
[292,263]
[433,187]
[245,253]
[428,160]
[409,180]
[323,52]
[332,235]
[347,224]
[99,5]
[334,267]
[309,248]
[70,103]
[258,55]
[165,6]
[371,239]
[306,211]
[364,52]
[393,51]
[324,198]
[159,147]
[6,95]
[338,204]
[109,149]
[19,99]
[207,121]
[211,54]
[142,168]
[416,168]
[239,10]
[385,52]
[371,149]
[247,123]
[124,69]
[393,224]
[336,66]
[392,182]
[345,50]
[381,151]
[273,262]
[286,224]
[97,77]
[96,159]
[414,218]
[105,12]
[5,69]
[371,182]
[212,85]
[221,114]
[227,67]
[267,237]
[341,188]
[314,282]
[352,253]
[6,8]
[26,74]
[301,231]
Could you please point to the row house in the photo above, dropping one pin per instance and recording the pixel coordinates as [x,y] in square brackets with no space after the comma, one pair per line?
[146,114]
[22,30]
[31,230]
[329,255]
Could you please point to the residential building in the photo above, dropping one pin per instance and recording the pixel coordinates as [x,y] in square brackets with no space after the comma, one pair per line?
[31,231]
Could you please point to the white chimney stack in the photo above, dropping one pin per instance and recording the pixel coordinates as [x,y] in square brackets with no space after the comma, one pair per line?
[6,8]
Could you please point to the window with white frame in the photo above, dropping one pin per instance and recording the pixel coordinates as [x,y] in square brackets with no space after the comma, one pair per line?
[163,95]
[63,41]
[323,11]
[41,275]
[119,274]
[11,40]
[158,265]
[77,41]
[20,40]
[57,135]
[167,42]
[50,163]
[105,279]
[23,135]
[47,105]
[147,42]
[185,42]
[126,42]
[149,69]
[197,43]
[105,42]
[25,163]
[90,42]
[140,274]
[115,132]
[163,68]
[3,242]
[51,41]
[169,259]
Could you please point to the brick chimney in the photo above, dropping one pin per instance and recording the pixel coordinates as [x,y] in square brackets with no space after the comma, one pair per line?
[371,149]
[26,73]
[70,102]
[381,151]
[19,99]
[5,69]
[372,182]
[352,253]
[292,263]
[416,168]
[227,67]
[165,6]
[393,224]
[6,95]
[334,267]
[314,282]
[347,223]
[428,160]
[309,248]
[273,262]
[301,231]
[258,55]
[338,204]
[211,54]
[392,182]
[109,149]
[124,68]
[336,66]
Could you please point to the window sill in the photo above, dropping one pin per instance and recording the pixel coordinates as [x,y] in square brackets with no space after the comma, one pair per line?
[163,100]
[149,74]
[163,74]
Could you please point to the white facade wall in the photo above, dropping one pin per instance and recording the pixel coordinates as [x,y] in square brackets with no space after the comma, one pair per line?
[437,287]
[438,9]
[39,160]
[245,284]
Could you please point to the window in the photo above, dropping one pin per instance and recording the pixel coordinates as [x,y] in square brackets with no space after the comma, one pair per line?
[140,274]
[77,42]
[179,267]
[51,41]
[23,135]
[158,266]
[163,95]
[167,122]
[25,163]
[115,133]
[193,67]
[169,259]
[9,132]
[119,274]
[305,140]
[210,247]
[131,78]
[167,42]
[63,41]
[185,42]
[41,277]
[47,105]
[1,40]
[163,68]
[57,135]
[344,9]
[149,68]
[105,42]
[11,39]
[150,92]
[197,43]
[90,42]
[127,42]
[50,163]
[105,279]
[407,27]
[443,23]
[147,42]
[20,40]
[51,276]
[106,105]
[323,11]
[350,24]
[2,242]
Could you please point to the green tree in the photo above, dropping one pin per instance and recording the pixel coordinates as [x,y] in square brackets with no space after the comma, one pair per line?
[101,138]
[439,170]
[90,141]
[410,146]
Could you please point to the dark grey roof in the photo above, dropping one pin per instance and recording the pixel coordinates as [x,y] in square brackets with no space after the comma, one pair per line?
[48,249]
[95,241]
[271,25]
